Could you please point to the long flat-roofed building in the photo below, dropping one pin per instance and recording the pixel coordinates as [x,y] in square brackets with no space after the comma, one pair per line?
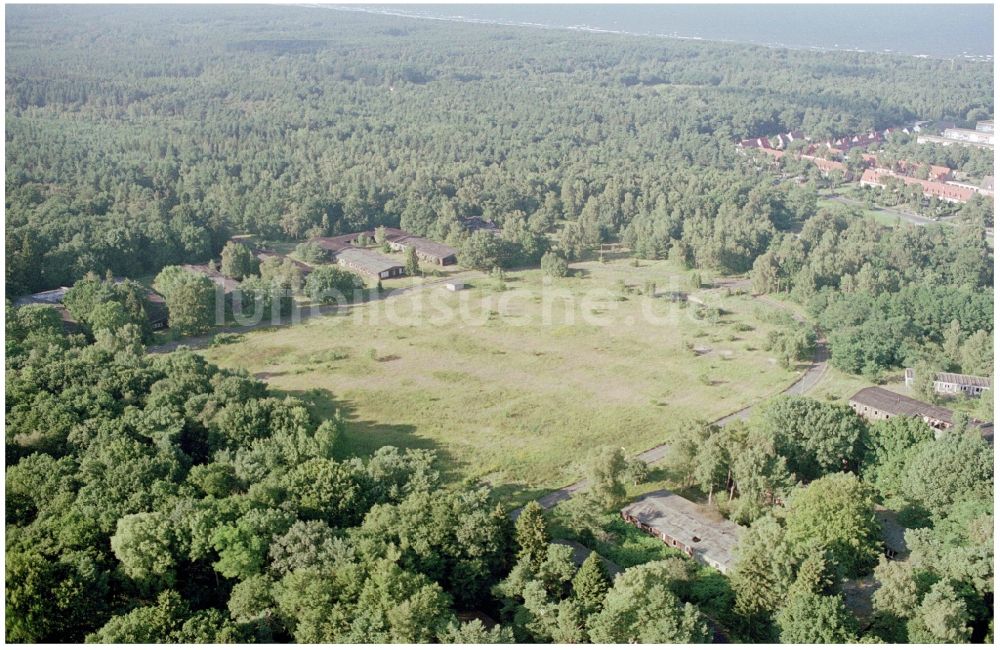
[227,284]
[875,403]
[953,383]
[427,250]
[398,240]
[369,263]
[52,298]
[969,135]
[704,535]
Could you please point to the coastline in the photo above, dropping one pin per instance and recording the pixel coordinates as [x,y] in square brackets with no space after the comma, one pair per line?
[584,27]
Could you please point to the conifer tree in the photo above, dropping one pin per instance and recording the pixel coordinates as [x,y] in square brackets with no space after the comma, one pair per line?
[412,264]
[531,535]
[590,584]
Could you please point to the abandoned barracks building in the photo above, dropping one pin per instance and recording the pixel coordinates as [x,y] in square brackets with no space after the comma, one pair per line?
[427,250]
[225,283]
[369,263]
[704,536]
[951,383]
[156,307]
[874,403]
[346,252]
[52,298]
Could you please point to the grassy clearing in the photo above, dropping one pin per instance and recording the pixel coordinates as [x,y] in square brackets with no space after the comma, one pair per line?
[880,216]
[837,385]
[508,396]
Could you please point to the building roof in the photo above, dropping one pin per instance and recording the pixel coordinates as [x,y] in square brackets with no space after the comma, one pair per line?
[367,261]
[826,165]
[338,243]
[712,538]
[871,176]
[962,380]
[423,246]
[156,306]
[581,553]
[947,191]
[944,190]
[896,404]
[228,284]
[937,172]
[335,244]
[50,297]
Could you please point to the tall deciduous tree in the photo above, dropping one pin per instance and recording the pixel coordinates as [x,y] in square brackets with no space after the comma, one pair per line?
[814,437]
[191,300]
[606,469]
[813,618]
[941,618]
[328,284]
[837,513]
[238,261]
[764,572]
[640,608]
[940,473]
[145,545]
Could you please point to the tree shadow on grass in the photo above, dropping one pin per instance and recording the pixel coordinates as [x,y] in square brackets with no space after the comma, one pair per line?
[661,472]
[364,437]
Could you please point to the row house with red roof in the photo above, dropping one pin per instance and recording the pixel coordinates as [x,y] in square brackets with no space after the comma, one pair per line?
[943,191]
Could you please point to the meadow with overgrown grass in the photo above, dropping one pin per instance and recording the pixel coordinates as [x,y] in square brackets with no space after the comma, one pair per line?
[514,381]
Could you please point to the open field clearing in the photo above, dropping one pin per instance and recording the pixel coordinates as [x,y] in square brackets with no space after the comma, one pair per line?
[516,386]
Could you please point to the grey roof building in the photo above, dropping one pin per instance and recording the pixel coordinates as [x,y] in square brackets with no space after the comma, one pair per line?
[369,263]
[703,535]
[227,284]
[874,403]
[52,297]
[952,383]
[426,249]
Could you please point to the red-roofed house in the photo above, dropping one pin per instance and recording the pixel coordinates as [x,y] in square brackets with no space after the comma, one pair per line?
[934,173]
[943,191]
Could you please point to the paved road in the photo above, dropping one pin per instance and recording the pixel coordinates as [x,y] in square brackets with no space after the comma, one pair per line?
[305,314]
[803,384]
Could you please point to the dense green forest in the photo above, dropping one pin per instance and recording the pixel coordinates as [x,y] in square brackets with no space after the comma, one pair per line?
[160,498]
[142,137]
